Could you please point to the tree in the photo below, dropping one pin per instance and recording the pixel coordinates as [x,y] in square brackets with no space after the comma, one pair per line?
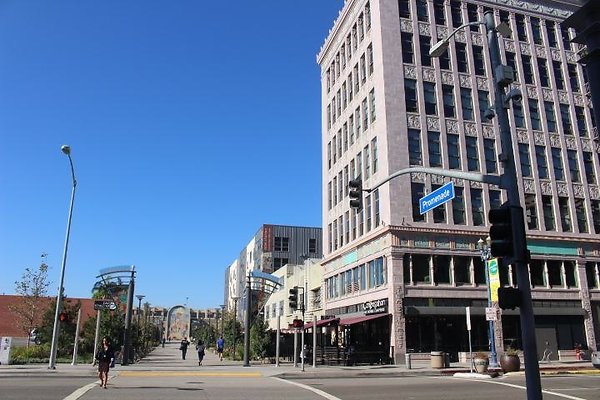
[67,329]
[260,339]
[32,289]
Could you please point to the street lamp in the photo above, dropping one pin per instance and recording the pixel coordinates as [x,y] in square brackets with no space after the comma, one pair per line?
[140,298]
[503,76]
[55,331]
[235,300]
[485,252]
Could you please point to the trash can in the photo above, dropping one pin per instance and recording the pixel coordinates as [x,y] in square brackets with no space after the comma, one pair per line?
[407,361]
[437,359]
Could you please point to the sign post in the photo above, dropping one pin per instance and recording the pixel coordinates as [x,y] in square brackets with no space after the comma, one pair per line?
[468,311]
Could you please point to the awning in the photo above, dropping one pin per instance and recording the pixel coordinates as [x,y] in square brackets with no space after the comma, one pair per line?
[361,318]
[322,322]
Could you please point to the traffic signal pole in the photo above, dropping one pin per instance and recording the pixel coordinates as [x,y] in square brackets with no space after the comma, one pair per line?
[509,183]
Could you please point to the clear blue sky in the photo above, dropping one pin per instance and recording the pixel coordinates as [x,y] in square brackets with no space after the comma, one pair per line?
[191,123]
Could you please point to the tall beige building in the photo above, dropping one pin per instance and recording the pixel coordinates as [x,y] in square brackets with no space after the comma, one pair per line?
[399,280]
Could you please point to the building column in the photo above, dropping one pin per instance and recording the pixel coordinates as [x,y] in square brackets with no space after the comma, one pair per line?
[586,305]
[398,334]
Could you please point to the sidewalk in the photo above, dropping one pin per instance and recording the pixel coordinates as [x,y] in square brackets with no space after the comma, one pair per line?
[169,359]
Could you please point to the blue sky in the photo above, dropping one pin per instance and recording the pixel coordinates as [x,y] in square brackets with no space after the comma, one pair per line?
[191,123]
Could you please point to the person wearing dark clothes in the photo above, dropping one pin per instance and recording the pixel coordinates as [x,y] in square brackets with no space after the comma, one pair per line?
[105,358]
[183,347]
[200,350]
[220,346]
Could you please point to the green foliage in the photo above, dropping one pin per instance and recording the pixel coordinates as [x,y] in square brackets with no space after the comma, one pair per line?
[511,351]
[260,339]
[233,328]
[67,329]
[22,355]
[204,332]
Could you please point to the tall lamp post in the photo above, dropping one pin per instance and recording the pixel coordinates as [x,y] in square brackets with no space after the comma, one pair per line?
[140,297]
[485,252]
[503,76]
[235,300]
[55,331]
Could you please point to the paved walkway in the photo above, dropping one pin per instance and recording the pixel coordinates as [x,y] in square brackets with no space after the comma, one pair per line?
[163,360]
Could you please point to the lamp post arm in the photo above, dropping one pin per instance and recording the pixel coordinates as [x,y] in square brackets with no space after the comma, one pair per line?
[463,26]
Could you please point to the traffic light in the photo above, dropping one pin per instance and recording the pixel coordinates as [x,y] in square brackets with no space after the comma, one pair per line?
[297,323]
[501,232]
[356,200]
[63,317]
[509,298]
[293,299]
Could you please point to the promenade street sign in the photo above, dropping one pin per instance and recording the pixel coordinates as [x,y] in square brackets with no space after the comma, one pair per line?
[104,305]
[436,198]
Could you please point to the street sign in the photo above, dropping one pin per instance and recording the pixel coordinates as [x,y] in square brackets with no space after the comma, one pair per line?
[491,314]
[104,305]
[436,198]
[468,310]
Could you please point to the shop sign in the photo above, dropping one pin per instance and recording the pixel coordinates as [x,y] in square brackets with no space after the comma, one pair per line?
[375,306]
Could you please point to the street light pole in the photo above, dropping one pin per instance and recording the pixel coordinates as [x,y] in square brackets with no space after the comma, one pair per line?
[235,300]
[247,323]
[486,254]
[55,331]
[503,76]
[140,298]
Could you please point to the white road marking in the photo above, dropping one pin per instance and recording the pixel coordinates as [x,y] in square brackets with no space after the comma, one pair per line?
[312,389]
[566,396]
[81,391]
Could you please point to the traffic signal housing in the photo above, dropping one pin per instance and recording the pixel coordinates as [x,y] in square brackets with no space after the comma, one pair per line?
[501,232]
[63,317]
[297,323]
[293,299]
[509,298]
[355,194]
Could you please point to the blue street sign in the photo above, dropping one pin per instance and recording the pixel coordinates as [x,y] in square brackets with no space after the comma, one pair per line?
[436,198]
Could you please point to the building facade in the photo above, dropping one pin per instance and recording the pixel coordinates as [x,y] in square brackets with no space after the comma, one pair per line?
[407,277]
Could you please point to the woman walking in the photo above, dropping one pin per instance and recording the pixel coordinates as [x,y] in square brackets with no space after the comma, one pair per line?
[200,350]
[105,358]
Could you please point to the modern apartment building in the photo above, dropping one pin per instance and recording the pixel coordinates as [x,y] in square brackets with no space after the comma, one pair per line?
[400,279]
[272,247]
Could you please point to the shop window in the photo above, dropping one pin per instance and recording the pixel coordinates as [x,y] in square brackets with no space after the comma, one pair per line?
[420,268]
[555,273]
[441,269]
[462,274]
[536,269]
[571,274]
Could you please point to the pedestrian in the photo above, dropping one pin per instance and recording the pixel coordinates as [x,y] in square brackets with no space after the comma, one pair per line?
[200,350]
[163,342]
[220,347]
[183,347]
[106,359]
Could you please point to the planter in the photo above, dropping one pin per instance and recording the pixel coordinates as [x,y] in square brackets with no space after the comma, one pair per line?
[596,360]
[510,363]
[481,365]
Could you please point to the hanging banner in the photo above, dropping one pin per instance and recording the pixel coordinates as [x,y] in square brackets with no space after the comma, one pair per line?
[494,278]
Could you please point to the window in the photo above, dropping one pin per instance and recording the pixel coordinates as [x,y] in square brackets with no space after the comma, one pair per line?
[542,164]
[430,99]
[534,114]
[478,60]
[350,87]
[565,215]
[448,95]
[439,213]
[417,191]
[536,30]
[527,69]
[458,206]
[351,128]
[422,14]
[279,262]
[551,33]
[425,45]
[406,41]
[374,159]
[588,164]
[548,213]
[467,103]
[581,216]
[566,119]
[473,16]
[365,110]
[518,114]
[573,165]
[375,198]
[530,212]
[557,164]
[444,60]
[368,212]
[403,6]
[580,118]
[482,97]
[435,154]
[372,104]
[368,16]
[596,215]
[477,207]
[370,59]
[573,77]
[489,149]
[415,156]
[329,196]
[363,69]
[472,154]
[438,11]
[566,38]
[495,201]
[543,70]
[282,243]
[455,9]
[461,57]
[367,162]
[525,161]
[550,117]
[558,76]
[453,152]
[521,33]
[410,95]
[510,61]
[357,120]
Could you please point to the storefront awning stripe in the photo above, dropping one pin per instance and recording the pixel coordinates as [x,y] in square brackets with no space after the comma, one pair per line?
[322,322]
[360,318]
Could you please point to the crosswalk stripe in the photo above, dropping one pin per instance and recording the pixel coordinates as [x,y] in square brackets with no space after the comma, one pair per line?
[190,373]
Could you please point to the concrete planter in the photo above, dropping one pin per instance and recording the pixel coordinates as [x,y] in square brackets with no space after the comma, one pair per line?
[596,360]
[481,365]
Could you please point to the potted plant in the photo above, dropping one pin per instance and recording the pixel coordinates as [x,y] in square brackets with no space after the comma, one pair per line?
[481,362]
[510,361]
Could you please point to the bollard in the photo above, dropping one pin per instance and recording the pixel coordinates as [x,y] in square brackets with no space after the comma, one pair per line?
[407,360]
